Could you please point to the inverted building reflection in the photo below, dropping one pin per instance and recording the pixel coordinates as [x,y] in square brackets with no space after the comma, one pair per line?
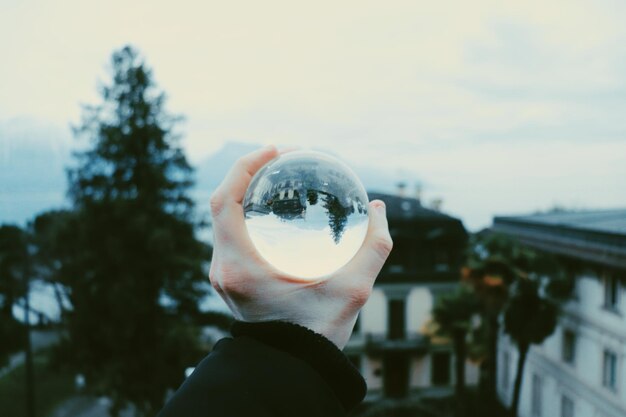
[290,200]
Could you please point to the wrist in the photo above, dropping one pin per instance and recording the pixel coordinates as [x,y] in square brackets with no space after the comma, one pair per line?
[313,348]
[338,335]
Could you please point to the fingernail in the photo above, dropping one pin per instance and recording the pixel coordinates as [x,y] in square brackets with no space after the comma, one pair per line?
[380,208]
[285,149]
[268,149]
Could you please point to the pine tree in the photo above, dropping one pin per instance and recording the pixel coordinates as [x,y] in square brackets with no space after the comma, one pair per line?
[13,264]
[54,234]
[337,216]
[134,264]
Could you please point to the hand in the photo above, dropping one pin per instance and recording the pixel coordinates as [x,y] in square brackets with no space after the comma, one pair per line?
[256,291]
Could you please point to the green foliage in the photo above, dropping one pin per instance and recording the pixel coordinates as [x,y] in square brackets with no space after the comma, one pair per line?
[12,335]
[528,281]
[454,311]
[526,285]
[496,261]
[337,216]
[127,256]
[14,265]
[51,388]
[529,318]
[55,234]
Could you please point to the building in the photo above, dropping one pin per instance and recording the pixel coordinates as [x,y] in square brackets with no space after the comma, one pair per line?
[580,370]
[388,344]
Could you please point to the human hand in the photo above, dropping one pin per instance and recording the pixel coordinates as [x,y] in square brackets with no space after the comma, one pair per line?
[256,291]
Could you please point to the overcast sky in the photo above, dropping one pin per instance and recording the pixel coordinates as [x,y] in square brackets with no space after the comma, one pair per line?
[497,107]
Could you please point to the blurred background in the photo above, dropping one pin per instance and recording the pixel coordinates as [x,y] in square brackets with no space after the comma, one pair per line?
[494,131]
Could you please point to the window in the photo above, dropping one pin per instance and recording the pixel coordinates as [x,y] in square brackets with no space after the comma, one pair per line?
[567,407]
[611,292]
[440,368]
[396,317]
[609,370]
[569,346]
[506,365]
[400,259]
[536,405]
[442,260]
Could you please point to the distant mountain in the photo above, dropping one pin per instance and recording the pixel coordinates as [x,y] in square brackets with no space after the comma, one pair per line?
[33,157]
[35,154]
[211,171]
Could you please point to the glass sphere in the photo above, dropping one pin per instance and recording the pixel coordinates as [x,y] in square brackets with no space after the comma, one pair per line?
[306,213]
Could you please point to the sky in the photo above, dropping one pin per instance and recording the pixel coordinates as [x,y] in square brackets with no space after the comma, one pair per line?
[496,107]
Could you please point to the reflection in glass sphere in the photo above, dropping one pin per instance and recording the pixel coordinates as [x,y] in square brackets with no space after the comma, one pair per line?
[306,213]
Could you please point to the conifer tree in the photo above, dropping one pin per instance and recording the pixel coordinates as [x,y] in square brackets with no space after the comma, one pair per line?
[13,264]
[134,265]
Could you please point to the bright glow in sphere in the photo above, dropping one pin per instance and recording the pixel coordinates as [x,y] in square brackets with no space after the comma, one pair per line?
[306,213]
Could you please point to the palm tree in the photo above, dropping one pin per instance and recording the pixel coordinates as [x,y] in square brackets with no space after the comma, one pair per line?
[529,319]
[504,275]
[492,266]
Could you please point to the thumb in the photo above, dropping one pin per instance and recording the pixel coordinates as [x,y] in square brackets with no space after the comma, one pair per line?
[376,247]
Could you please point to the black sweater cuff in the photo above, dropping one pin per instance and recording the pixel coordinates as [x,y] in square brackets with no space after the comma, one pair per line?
[313,348]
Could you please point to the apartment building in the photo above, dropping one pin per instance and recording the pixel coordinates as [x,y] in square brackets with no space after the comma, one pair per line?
[388,344]
[580,371]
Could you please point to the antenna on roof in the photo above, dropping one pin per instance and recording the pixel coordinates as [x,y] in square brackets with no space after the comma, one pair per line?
[418,191]
[400,188]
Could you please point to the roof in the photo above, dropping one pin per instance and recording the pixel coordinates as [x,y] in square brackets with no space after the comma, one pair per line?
[607,221]
[408,218]
[407,208]
[597,236]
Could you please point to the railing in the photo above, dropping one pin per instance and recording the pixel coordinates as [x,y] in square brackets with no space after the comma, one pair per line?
[397,276]
[376,343]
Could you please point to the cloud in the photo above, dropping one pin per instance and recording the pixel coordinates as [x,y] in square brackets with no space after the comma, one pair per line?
[420,86]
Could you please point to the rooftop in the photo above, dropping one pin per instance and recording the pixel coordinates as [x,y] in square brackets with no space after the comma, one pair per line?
[407,217]
[606,221]
[596,236]
[399,207]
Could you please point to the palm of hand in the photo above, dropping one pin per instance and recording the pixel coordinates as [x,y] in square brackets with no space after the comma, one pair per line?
[255,291]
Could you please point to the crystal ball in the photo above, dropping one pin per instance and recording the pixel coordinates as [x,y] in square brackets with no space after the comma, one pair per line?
[306,213]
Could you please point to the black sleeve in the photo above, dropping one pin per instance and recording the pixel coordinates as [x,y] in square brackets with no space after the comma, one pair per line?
[270,369]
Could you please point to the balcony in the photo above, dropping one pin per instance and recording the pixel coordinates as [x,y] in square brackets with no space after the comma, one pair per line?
[395,274]
[379,344]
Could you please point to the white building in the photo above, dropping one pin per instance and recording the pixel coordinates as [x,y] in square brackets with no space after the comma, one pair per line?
[388,344]
[580,371]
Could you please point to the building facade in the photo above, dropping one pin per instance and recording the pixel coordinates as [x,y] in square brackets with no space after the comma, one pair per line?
[388,344]
[579,371]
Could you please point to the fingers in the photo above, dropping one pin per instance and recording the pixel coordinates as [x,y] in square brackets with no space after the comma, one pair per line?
[233,188]
[378,243]
[362,270]
[229,229]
